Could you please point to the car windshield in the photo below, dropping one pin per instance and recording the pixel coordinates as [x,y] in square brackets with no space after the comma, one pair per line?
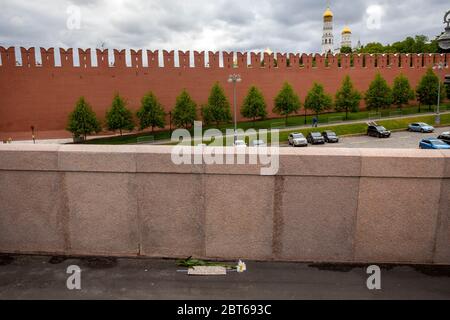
[331,134]
[316,134]
[298,136]
[381,128]
[438,142]
[422,124]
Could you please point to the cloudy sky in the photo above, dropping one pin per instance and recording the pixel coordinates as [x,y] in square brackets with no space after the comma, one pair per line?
[282,25]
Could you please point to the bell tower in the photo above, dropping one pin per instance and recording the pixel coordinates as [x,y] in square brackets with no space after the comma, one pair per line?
[328,38]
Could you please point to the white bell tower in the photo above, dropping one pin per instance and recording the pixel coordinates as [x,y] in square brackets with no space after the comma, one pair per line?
[328,38]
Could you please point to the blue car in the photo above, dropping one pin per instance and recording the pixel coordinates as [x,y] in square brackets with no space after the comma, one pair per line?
[433,143]
[420,127]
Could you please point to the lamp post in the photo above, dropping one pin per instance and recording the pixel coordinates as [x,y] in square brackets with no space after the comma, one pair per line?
[234,78]
[444,43]
[439,66]
[444,39]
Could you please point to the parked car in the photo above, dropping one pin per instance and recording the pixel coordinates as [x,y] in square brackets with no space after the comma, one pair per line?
[240,143]
[433,143]
[297,140]
[315,138]
[330,136]
[420,127]
[445,136]
[375,130]
[259,143]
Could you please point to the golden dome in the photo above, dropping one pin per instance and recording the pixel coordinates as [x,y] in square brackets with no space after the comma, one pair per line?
[346,30]
[328,13]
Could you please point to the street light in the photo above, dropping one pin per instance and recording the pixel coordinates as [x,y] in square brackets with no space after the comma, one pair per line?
[444,39]
[439,66]
[234,78]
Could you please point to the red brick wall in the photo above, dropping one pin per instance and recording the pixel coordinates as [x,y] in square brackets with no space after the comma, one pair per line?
[43,96]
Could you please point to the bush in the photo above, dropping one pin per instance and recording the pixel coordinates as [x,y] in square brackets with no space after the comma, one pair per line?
[218,108]
[185,111]
[254,105]
[151,114]
[317,100]
[379,95]
[401,91]
[119,117]
[286,102]
[347,98]
[83,121]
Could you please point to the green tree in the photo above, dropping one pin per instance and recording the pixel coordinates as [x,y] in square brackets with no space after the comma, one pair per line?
[151,114]
[286,102]
[254,105]
[347,98]
[185,111]
[346,49]
[417,44]
[402,92]
[218,108]
[379,95]
[317,100]
[118,117]
[427,89]
[83,121]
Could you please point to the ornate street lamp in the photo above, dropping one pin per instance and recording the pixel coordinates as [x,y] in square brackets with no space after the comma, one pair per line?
[444,39]
[234,78]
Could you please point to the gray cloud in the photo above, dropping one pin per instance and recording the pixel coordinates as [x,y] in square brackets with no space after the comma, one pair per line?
[285,25]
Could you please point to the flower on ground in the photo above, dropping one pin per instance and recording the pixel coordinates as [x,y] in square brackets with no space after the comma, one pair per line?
[241,267]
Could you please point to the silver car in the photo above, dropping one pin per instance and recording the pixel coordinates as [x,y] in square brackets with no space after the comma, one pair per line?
[297,140]
[420,127]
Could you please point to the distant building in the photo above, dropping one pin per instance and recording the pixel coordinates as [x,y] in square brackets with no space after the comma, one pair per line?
[346,40]
[328,37]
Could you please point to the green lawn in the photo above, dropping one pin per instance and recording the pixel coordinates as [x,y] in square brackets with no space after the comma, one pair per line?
[293,121]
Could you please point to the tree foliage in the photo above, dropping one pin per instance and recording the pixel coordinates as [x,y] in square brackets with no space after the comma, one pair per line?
[347,97]
[427,89]
[185,111]
[218,108]
[254,105]
[83,121]
[151,114]
[418,44]
[317,100]
[118,117]
[346,49]
[287,101]
[402,92]
[379,95]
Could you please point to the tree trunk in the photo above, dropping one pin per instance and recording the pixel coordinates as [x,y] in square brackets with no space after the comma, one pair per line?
[285,123]
[120,130]
[305,116]
[346,113]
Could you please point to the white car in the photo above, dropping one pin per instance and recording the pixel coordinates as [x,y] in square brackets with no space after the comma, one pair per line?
[259,143]
[240,143]
[297,140]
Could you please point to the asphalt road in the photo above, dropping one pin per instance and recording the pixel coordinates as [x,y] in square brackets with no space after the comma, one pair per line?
[399,140]
[37,277]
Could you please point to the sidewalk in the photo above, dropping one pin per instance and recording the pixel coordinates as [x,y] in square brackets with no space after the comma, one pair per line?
[34,277]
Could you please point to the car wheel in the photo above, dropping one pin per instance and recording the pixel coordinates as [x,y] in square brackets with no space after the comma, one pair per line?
[421,130]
